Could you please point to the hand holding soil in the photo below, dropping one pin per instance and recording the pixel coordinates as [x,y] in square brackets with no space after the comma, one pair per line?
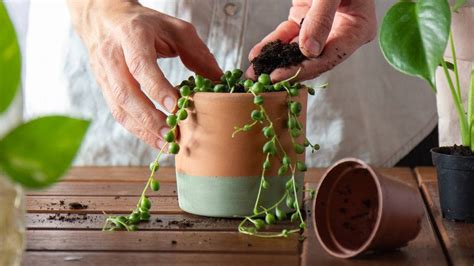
[328,31]
[124,39]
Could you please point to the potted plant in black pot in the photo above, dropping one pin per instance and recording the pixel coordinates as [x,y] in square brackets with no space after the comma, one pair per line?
[413,38]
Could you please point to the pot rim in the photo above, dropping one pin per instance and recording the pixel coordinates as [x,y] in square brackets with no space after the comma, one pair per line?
[275,94]
[348,253]
[437,151]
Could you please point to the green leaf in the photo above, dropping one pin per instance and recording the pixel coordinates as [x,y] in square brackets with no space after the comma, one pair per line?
[413,37]
[10,60]
[37,153]
[458,5]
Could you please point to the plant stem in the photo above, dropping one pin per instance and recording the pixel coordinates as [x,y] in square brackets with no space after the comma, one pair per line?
[152,174]
[455,63]
[237,130]
[466,140]
[262,178]
[470,108]
[265,235]
[293,181]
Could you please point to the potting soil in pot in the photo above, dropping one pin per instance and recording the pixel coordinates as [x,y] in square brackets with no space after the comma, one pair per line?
[353,209]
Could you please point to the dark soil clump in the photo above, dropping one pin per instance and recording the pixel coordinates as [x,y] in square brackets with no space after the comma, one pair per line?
[70,218]
[77,206]
[457,150]
[461,151]
[275,55]
[182,223]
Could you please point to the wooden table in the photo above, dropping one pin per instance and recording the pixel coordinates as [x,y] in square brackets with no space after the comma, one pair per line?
[57,235]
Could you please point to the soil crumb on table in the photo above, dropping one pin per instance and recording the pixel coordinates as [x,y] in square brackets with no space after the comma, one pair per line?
[275,55]
[77,206]
[182,223]
[70,218]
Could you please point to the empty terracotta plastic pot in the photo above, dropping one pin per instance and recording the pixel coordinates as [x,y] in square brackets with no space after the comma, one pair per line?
[357,209]
[219,175]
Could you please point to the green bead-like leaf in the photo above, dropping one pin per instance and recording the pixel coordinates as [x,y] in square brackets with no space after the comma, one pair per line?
[414,35]
[145,203]
[281,215]
[268,132]
[155,185]
[290,202]
[259,223]
[173,148]
[282,170]
[294,217]
[270,218]
[269,147]
[10,60]
[36,154]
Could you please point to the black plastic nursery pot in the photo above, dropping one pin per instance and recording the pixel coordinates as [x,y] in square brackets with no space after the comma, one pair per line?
[455,184]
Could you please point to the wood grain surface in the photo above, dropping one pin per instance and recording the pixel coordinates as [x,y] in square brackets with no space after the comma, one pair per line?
[59,235]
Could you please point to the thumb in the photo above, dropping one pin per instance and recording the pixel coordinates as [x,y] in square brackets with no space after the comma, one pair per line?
[316,26]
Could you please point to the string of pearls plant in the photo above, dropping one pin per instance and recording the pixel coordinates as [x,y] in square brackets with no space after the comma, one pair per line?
[232,82]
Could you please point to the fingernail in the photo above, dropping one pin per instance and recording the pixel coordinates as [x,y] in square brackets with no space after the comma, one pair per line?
[163,131]
[169,104]
[312,46]
[250,73]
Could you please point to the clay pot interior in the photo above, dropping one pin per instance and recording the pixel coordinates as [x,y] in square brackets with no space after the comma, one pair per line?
[357,210]
[351,211]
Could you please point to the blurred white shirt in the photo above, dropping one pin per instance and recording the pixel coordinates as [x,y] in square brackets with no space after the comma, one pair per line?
[369,111]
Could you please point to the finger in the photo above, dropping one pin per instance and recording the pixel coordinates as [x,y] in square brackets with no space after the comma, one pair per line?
[194,53]
[250,73]
[285,32]
[124,118]
[140,57]
[128,104]
[317,26]
[337,49]
[298,10]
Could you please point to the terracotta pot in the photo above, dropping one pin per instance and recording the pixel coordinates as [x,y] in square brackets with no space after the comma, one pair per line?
[356,210]
[218,175]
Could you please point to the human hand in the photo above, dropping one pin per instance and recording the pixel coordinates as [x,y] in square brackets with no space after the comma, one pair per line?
[124,40]
[331,31]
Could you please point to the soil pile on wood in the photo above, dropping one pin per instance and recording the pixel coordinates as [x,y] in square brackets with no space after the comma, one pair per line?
[276,55]
[77,206]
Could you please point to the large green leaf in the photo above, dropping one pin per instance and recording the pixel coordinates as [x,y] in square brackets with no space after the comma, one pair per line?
[38,153]
[10,60]
[414,35]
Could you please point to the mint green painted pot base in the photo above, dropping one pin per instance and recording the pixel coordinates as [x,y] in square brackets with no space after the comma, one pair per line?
[218,196]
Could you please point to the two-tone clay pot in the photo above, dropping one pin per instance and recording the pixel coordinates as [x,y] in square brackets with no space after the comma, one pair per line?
[218,175]
[357,209]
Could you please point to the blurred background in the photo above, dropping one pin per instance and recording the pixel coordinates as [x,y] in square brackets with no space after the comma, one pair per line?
[369,111]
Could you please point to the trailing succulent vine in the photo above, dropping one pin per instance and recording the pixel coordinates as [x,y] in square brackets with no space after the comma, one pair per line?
[232,82]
